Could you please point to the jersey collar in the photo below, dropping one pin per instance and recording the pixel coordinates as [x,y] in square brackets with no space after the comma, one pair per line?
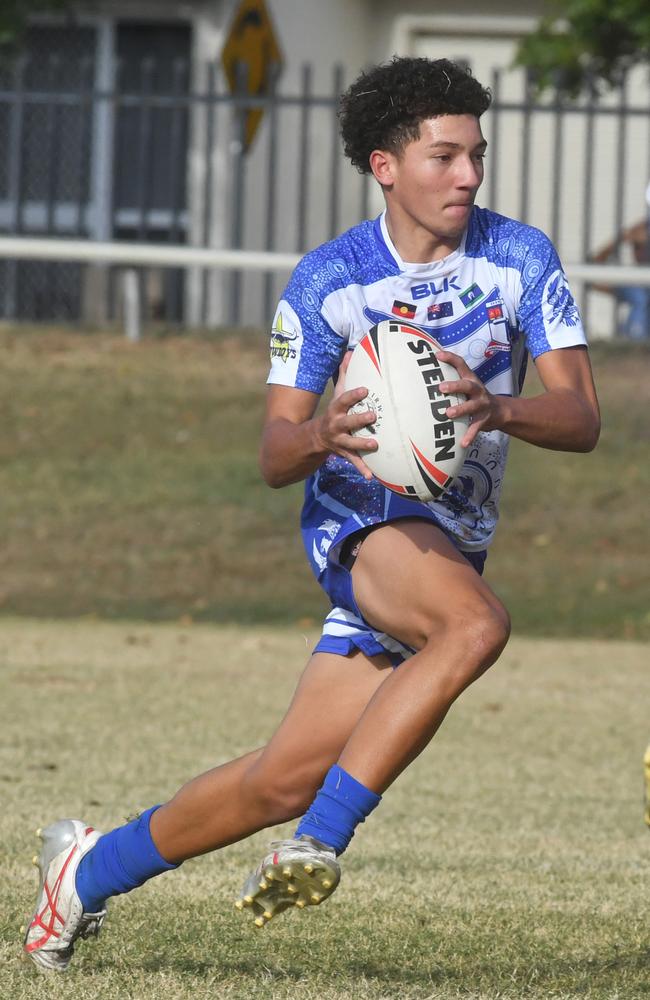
[442,266]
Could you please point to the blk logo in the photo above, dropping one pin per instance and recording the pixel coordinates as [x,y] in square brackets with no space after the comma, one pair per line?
[429,288]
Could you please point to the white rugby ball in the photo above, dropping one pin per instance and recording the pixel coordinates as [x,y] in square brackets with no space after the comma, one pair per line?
[419,451]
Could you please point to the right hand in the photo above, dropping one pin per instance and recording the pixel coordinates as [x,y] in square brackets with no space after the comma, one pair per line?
[334,428]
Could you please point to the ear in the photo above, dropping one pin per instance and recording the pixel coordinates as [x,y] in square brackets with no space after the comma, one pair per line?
[382,164]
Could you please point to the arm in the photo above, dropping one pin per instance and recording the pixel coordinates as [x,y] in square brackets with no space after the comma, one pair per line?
[636,236]
[602,256]
[295,442]
[565,417]
[639,231]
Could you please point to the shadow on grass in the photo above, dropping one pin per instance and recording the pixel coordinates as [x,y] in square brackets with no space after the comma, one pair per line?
[527,974]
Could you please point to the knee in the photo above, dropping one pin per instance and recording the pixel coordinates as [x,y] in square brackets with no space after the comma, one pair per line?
[489,632]
[280,797]
[479,632]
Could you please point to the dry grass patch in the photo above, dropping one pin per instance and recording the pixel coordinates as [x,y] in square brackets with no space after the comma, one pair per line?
[129,488]
[510,861]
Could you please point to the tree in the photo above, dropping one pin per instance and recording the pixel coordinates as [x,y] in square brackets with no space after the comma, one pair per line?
[14,15]
[583,45]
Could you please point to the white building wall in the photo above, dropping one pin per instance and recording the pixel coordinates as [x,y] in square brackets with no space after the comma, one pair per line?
[359,33]
[355,33]
[321,36]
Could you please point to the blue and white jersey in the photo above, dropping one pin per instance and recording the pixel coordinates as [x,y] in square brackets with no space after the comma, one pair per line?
[501,295]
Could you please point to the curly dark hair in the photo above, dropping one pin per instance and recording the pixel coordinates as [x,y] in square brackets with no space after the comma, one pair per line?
[384,107]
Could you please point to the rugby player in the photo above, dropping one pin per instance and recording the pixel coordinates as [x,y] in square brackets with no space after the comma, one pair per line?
[413,622]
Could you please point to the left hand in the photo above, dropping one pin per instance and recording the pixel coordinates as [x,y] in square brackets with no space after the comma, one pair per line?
[481,407]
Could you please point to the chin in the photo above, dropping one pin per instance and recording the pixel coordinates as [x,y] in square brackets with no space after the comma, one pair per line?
[452,233]
[457,223]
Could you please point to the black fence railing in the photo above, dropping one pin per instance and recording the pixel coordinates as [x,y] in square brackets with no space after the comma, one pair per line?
[144,162]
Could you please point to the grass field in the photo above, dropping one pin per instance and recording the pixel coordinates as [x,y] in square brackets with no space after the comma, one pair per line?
[525,816]
[129,489]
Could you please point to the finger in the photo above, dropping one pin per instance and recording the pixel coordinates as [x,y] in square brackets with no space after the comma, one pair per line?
[473,410]
[357,442]
[476,425]
[461,386]
[358,463]
[468,408]
[341,431]
[469,436]
[360,418]
[348,398]
[445,355]
[455,361]
[340,379]
[347,357]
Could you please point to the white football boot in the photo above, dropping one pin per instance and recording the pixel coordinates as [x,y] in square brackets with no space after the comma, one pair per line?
[299,873]
[59,918]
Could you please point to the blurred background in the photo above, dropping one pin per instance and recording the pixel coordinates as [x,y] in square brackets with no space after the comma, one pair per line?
[163,166]
[213,125]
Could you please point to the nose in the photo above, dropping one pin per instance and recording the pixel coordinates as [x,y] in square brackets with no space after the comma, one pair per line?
[470,173]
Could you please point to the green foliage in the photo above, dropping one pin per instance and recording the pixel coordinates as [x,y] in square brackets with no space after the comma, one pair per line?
[581,45]
[14,15]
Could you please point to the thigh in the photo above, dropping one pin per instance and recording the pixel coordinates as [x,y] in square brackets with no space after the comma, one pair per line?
[409,578]
[327,704]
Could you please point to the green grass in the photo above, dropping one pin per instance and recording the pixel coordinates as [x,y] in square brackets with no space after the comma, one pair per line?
[129,488]
[525,816]
[570,557]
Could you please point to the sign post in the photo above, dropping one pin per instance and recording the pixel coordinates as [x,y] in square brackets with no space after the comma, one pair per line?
[251,59]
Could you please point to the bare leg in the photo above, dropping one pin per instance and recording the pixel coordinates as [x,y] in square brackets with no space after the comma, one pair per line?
[276,783]
[434,601]
[410,582]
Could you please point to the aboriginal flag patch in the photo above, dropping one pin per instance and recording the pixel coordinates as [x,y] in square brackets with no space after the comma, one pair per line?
[405,310]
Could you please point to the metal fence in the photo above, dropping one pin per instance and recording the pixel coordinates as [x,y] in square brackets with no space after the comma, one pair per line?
[160,156]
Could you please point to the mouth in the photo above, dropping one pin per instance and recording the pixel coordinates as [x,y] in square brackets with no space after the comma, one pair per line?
[459,210]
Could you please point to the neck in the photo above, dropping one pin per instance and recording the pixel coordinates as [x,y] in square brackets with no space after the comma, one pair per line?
[415,244]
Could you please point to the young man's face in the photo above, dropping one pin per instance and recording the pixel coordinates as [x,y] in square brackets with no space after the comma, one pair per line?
[432,184]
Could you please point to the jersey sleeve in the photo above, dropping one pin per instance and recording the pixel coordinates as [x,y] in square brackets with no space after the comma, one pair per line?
[306,350]
[547,312]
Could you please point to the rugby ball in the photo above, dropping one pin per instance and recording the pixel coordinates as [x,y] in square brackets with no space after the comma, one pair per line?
[419,451]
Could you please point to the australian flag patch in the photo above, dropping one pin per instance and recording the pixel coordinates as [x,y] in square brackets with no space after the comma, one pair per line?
[438,310]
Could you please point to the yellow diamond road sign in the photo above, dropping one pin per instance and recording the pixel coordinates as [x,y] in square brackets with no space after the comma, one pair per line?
[251,56]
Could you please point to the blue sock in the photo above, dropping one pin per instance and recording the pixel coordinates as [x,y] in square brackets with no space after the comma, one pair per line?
[340,805]
[120,861]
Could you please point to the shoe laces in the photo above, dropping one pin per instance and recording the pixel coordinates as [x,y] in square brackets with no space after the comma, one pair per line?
[91,924]
[303,843]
